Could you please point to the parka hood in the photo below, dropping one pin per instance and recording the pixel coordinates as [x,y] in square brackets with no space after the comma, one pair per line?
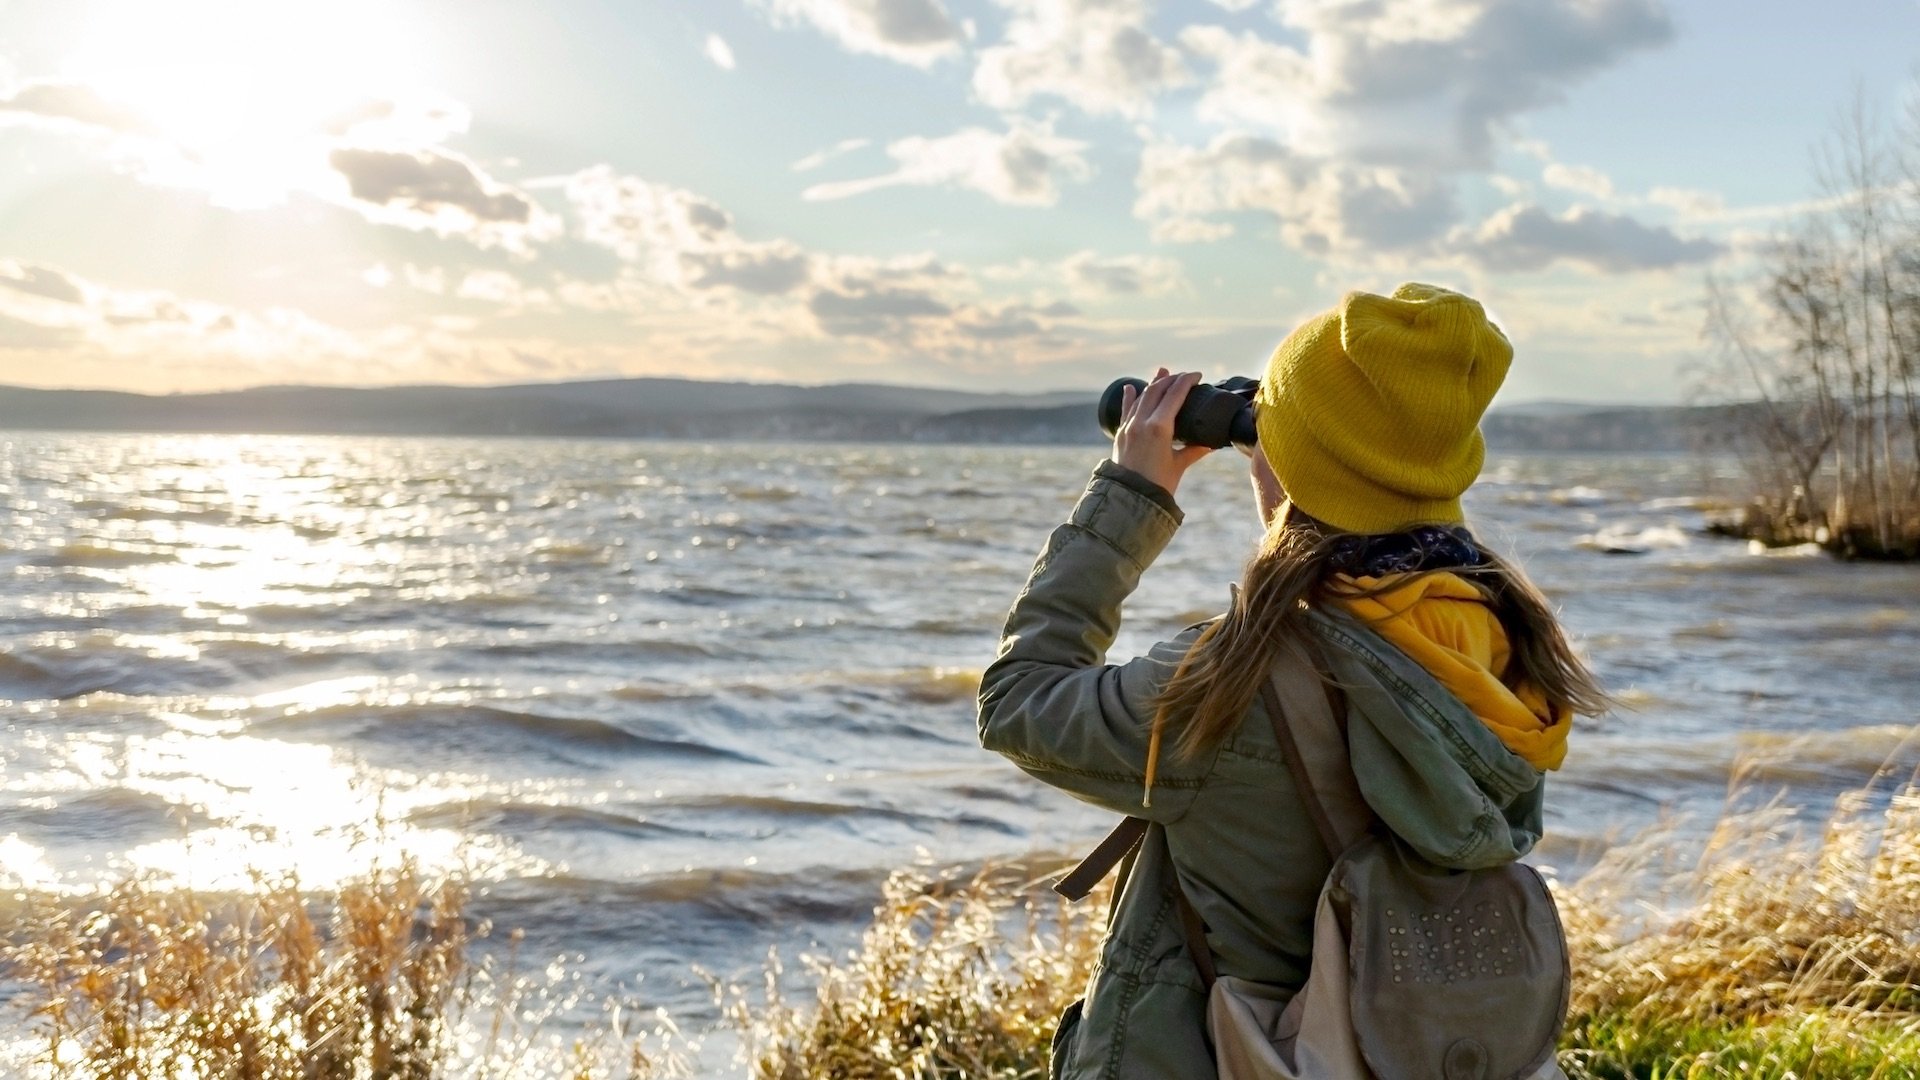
[1435,774]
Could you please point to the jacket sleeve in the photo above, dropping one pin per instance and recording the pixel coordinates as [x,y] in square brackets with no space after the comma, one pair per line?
[1048,702]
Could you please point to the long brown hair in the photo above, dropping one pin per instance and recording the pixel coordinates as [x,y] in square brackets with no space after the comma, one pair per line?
[1291,571]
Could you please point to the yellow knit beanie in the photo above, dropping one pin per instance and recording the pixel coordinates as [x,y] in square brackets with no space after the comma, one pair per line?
[1370,413]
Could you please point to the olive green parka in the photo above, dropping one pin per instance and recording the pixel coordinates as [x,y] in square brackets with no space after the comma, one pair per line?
[1231,824]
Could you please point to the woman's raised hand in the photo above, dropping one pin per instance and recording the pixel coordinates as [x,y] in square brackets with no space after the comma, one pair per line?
[1144,440]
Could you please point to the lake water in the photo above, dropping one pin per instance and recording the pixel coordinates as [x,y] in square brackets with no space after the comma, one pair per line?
[678,703]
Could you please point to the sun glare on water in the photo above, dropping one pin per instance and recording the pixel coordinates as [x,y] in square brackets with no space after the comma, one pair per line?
[222,530]
[243,94]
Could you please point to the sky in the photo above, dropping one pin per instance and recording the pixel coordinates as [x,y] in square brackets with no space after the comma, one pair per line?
[986,194]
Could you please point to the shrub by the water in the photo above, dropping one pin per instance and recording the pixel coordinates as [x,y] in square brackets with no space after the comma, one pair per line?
[168,983]
[955,978]
[1820,356]
[371,981]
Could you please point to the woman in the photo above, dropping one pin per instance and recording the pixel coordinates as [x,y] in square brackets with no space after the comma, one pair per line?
[1458,683]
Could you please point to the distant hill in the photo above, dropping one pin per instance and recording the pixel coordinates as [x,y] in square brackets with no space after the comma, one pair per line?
[1609,428]
[690,409]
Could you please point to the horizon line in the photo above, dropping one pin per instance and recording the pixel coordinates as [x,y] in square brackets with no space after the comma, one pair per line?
[1040,392]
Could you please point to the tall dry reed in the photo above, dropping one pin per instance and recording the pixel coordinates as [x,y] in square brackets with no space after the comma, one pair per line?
[1779,951]
[954,978]
[371,981]
[163,983]
[1775,953]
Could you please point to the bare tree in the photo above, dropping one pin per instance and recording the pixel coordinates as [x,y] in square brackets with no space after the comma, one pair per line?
[1823,351]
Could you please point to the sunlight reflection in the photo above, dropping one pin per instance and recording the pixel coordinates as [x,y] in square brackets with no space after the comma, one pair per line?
[289,808]
[245,806]
[25,866]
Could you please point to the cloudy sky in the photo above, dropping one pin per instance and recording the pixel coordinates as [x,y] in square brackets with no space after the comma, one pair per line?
[978,193]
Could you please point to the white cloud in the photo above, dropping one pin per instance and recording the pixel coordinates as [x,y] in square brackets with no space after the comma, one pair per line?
[917,32]
[245,175]
[920,306]
[1098,55]
[1581,179]
[1510,186]
[1526,237]
[71,103]
[684,254]
[821,157]
[1355,129]
[1415,80]
[878,312]
[426,279]
[442,192]
[719,52]
[770,268]
[101,327]
[1022,166]
[1356,134]
[1321,206]
[679,238]
[1090,275]
[428,182]
[385,148]
[403,122]
[499,288]
[41,281]
[1688,202]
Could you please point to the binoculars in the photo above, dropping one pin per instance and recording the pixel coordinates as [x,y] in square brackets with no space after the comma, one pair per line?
[1213,414]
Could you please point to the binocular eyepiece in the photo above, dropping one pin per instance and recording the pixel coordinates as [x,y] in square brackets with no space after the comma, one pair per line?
[1213,414]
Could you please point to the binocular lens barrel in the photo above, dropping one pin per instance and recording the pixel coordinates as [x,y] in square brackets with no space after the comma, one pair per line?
[1211,416]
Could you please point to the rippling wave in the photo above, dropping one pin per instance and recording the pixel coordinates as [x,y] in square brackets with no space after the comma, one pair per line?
[679,703]
[481,729]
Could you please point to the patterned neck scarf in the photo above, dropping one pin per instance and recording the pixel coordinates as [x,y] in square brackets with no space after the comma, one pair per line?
[1424,547]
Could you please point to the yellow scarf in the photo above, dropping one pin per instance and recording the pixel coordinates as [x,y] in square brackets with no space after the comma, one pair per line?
[1446,626]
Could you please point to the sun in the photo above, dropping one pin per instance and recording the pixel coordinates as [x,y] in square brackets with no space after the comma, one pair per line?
[244,93]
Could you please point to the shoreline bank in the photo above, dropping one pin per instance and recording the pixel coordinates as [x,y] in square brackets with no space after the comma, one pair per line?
[1786,949]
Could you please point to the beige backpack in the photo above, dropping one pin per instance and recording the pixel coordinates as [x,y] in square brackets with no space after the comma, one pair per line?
[1417,971]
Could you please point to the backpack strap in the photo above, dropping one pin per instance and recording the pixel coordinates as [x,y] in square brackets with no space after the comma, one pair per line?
[1313,738]
[1102,859]
[1100,862]
[1194,929]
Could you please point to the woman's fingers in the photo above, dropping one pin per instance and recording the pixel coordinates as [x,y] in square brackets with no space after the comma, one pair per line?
[1154,409]
[1144,441]
[1151,396]
[1172,396]
[1178,393]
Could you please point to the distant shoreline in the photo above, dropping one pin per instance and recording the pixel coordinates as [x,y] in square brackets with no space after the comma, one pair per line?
[684,409]
[1494,448]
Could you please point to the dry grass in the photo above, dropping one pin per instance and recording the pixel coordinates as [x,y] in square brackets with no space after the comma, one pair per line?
[166,983]
[1772,955]
[1775,954]
[373,981]
[1778,953]
[955,978]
